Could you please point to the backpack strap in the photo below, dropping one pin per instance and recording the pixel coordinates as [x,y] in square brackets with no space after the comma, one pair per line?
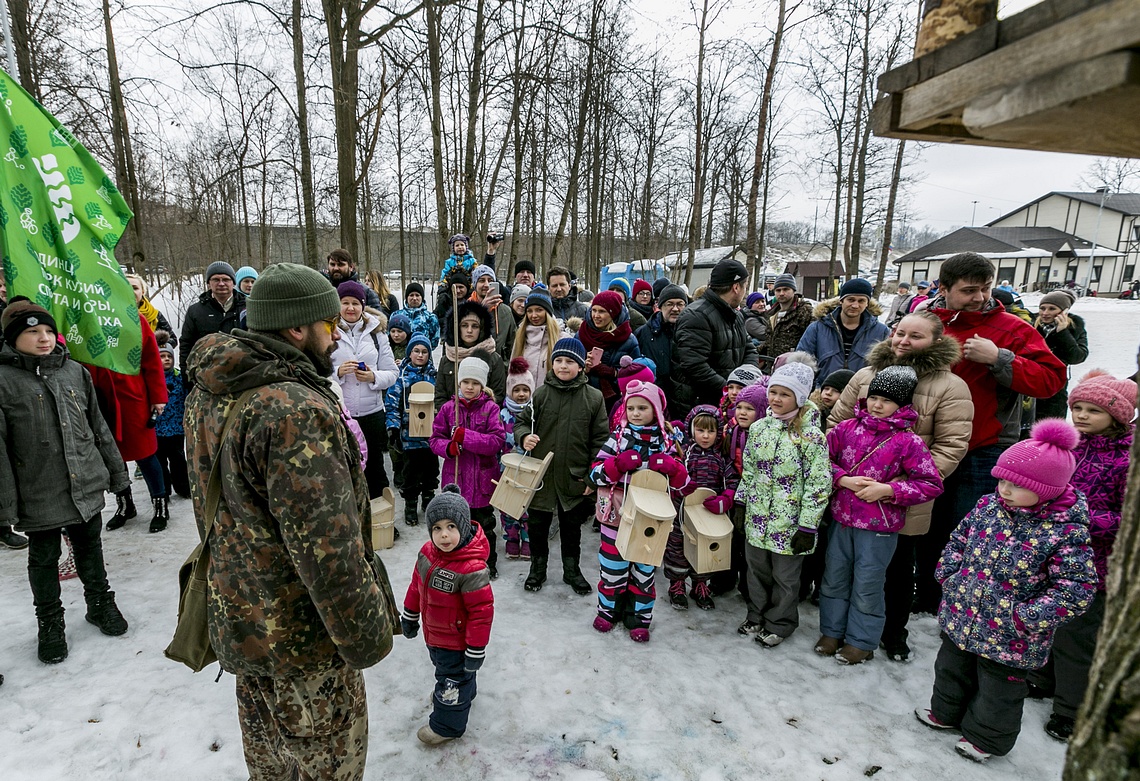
[214,486]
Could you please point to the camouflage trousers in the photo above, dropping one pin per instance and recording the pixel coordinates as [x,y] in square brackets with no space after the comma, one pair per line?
[305,727]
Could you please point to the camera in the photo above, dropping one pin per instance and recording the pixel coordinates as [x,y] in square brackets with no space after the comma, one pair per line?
[494,238]
[152,421]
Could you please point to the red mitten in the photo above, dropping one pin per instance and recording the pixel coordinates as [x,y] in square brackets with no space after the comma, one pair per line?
[458,435]
[628,460]
[680,477]
[453,449]
[718,504]
[666,465]
[611,469]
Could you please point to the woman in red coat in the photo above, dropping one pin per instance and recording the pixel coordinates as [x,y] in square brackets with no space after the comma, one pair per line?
[131,403]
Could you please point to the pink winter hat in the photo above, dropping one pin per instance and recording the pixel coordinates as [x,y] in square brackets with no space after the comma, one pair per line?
[1116,397]
[1044,463]
[518,373]
[651,393]
[630,370]
[756,395]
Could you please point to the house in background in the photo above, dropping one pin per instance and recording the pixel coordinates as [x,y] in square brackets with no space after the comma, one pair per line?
[1048,242]
[703,262]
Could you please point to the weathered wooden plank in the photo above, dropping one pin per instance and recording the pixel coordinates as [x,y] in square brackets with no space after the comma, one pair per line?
[982,41]
[1102,29]
[1091,107]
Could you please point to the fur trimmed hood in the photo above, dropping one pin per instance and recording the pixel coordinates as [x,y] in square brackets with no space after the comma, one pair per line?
[461,311]
[940,356]
[827,306]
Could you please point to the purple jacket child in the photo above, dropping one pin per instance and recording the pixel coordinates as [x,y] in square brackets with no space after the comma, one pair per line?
[483,439]
[1102,474]
[887,451]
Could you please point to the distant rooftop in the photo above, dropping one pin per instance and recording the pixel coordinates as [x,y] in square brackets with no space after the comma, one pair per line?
[1017,242]
[1124,203]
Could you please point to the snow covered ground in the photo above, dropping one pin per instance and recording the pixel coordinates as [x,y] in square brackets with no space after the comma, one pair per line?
[556,699]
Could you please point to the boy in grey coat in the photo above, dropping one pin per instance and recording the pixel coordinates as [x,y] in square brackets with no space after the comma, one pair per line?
[57,458]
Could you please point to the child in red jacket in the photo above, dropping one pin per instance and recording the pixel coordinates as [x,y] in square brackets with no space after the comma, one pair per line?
[451,588]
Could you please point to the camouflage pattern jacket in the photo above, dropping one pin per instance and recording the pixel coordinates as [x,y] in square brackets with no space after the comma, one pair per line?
[291,589]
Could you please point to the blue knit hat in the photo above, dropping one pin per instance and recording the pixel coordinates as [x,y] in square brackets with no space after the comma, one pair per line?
[569,347]
[421,339]
[623,284]
[400,321]
[245,272]
[540,298]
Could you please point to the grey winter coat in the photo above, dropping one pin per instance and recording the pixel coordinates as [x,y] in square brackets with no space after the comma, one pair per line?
[58,456]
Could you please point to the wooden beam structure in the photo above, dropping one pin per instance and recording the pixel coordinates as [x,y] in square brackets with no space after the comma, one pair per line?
[1062,76]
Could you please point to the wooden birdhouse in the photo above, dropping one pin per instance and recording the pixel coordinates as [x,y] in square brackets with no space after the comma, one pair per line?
[647,515]
[384,520]
[521,479]
[708,536]
[421,410]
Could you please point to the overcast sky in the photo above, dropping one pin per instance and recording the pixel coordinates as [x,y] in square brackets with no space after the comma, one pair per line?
[950,176]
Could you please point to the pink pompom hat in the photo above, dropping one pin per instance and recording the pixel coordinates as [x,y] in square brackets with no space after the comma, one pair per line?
[1044,463]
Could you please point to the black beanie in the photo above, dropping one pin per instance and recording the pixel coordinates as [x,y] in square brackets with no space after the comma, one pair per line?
[524,265]
[21,316]
[896,383]
[413,287]
[838,379]
[660,284]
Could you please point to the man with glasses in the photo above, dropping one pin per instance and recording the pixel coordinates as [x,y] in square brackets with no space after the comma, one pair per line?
[295,608]
[219,309]
[655,338]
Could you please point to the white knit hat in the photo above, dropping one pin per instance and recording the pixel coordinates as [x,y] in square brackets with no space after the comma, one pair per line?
[797,378]
[472,368]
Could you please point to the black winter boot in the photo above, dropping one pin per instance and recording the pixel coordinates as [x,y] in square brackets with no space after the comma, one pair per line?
[104,613]
[411,517]
[425,499]
[161,515]
[9,538]
[572,576]
[52,640]
[124,510]
[537,575]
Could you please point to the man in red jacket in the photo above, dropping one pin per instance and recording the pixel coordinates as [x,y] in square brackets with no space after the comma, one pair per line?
[1004,358]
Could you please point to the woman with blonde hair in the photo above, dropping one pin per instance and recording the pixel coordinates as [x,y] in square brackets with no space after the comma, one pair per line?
[149,311]
[537,334]
[388,303]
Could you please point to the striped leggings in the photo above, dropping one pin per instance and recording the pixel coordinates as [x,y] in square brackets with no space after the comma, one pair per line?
[626,591]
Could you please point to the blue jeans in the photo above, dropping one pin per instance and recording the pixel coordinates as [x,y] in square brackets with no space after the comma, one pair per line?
[151,469]
[454,690]
[851,602]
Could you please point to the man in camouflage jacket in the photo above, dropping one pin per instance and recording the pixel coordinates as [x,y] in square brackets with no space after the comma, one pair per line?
[295,610]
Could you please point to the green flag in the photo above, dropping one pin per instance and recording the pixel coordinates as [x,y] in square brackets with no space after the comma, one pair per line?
[60,219]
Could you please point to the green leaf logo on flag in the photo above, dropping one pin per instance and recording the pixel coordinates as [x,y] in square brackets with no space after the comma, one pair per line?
[58,245]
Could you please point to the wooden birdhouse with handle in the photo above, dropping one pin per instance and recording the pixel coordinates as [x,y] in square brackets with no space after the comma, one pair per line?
[421,410]
[647,515]
[384,520]
[520,480]
[708,536]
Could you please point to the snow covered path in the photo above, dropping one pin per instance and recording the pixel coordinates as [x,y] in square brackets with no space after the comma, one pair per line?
[556,699]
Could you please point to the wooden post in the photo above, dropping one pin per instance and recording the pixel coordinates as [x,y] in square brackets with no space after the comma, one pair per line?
[455,336]
[945,20]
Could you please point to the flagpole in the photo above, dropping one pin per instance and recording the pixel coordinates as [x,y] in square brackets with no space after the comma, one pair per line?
[9,50]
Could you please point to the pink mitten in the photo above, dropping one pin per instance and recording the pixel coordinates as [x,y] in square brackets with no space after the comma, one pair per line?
[628,460]
[718,504]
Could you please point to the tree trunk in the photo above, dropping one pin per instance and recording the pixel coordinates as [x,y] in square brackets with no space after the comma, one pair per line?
[20,13]
[474,91]
[431,16]
[698,149]
[752,239]
[308,200]
[1106,743]
[124,155]
[889,224]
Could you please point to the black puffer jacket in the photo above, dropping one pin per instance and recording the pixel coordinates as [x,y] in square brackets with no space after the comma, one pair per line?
[207,317]
[1071,345]
[709,342]
[655,339]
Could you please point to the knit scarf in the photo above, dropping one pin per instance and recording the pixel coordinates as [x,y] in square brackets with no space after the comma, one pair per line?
[591,337]
[786,417]
[149,313]
[457,354]
[513,406]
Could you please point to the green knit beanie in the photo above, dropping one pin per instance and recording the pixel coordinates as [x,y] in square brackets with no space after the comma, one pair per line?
[288,295]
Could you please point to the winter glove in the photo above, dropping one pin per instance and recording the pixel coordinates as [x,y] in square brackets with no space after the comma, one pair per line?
[473,659]
[718,504]
[453,449]
[409,624]
[802,542]
[395,441]
[458,435]
[628,461]
[671,468]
